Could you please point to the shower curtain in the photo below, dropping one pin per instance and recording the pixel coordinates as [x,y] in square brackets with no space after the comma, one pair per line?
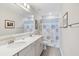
[50,32]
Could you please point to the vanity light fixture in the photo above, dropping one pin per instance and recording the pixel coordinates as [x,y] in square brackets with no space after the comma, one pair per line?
[26,5]
[25,8]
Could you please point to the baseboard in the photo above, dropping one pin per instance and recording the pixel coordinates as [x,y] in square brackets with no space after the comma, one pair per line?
[61,51]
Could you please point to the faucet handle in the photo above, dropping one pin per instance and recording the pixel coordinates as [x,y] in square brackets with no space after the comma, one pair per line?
[10,41]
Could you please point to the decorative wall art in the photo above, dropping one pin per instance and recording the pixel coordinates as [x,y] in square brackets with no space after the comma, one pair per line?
[65,20]
[9,24]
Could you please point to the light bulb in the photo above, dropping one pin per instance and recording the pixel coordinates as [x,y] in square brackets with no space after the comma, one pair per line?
[25,4]
[28,6]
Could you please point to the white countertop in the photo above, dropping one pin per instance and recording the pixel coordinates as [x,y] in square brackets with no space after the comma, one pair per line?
[13,48]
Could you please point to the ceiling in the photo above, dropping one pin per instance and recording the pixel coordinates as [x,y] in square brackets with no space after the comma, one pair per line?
[14,8]
[46,8]
[41,9]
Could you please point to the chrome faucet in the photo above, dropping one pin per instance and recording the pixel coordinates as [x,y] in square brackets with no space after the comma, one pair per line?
[10,41]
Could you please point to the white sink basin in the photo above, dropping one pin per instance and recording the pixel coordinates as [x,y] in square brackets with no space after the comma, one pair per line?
[16,44]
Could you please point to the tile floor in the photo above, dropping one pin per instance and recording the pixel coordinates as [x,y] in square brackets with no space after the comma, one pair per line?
[50,51]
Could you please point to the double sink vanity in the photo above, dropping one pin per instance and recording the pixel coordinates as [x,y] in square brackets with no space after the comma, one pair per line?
[29,46]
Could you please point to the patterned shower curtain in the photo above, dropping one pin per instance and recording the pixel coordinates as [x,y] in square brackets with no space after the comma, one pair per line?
[50,32]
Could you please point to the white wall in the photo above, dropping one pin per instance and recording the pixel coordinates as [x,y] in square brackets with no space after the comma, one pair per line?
[70,36]
[11,12]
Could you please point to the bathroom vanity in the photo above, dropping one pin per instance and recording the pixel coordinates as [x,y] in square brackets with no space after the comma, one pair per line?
[29,46]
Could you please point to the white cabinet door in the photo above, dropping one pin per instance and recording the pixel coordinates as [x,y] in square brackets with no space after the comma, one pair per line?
[39,47]
[28,51]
